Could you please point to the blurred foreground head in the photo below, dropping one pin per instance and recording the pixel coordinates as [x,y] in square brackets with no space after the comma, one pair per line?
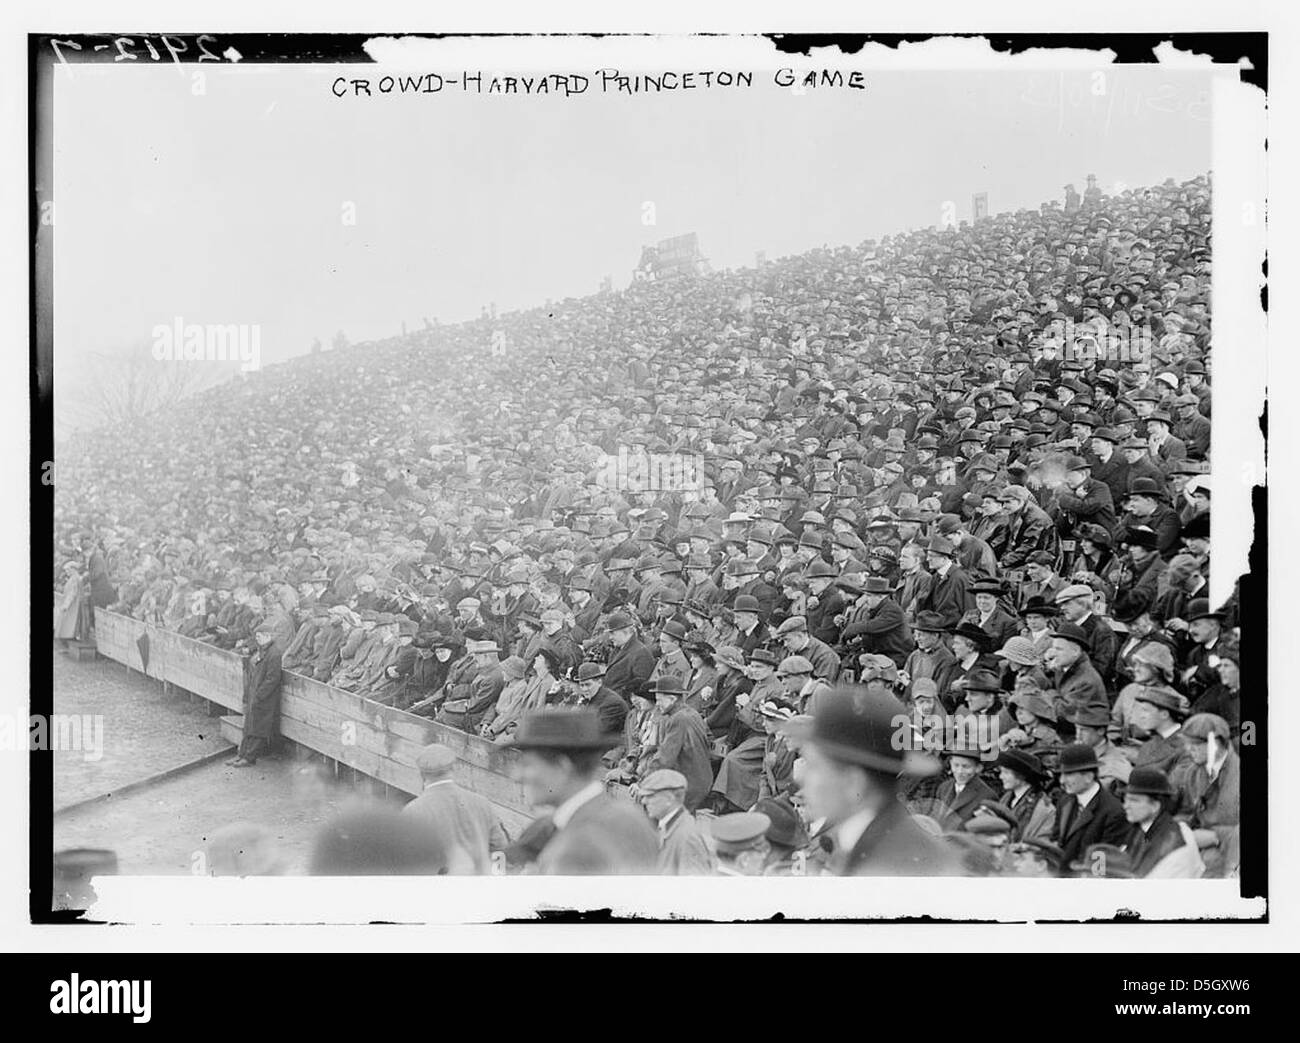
[377,841]
[855,750]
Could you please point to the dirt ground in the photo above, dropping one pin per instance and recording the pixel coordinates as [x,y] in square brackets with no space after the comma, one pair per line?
[164,827]
[144,731]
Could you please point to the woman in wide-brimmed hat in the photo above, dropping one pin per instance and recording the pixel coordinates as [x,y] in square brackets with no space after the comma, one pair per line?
[1152,664]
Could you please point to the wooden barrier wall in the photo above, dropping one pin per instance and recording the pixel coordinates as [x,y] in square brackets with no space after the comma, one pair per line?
[376,740]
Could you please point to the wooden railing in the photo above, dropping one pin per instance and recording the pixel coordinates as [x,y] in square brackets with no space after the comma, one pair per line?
[375,740]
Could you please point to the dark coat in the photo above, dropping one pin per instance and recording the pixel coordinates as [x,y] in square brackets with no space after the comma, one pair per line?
[102,593]
[821,617]
[611,709]
[1101,822]
[1195,434]
[956,809]
[882,630]
[767,595]
[723,713]
[1164,522]
[1161,752]
[912,593]
[684,746]
[1080,685]
[949,595]
[1115,472]
[461,818]
[1000,626]
[894,845]
[262,693]
[1147,849]
[629,668]
[1028,531]
[605,837]
[1104,645]
[684,851]
[1090,502]
[1136,589]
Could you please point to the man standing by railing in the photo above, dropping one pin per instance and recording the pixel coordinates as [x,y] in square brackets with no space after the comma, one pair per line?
[261,701]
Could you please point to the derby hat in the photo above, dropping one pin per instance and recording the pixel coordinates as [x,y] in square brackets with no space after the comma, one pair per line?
[1078,757]
[565,729]
[858,724]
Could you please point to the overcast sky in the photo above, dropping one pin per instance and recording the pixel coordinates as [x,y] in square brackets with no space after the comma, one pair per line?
[228,207]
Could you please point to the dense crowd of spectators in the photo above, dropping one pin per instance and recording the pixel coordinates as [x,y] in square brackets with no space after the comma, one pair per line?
[966,466]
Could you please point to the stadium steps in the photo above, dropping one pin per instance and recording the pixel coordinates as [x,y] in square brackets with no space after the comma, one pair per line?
[232,728]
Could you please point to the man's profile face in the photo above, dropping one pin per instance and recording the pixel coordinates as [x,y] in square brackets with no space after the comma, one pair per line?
[660,803]
[1139,808]
[1074,609]
[541,777]
[829,788]
[1198,750]
[1028,863]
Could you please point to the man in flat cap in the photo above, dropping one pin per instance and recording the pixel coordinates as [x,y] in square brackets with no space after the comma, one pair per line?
[793,633]
[851,779]
[1036,857]
[1075,603]
[993,830]
[683,850]
[468,703]
[1210,792]
[1159,712]
[740,840]
[465,822]
[588,832]
[802,687]
[1029,529]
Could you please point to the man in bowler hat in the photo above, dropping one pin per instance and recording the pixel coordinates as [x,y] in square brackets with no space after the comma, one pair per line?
[590,832]
[851,778]
[1086,812]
